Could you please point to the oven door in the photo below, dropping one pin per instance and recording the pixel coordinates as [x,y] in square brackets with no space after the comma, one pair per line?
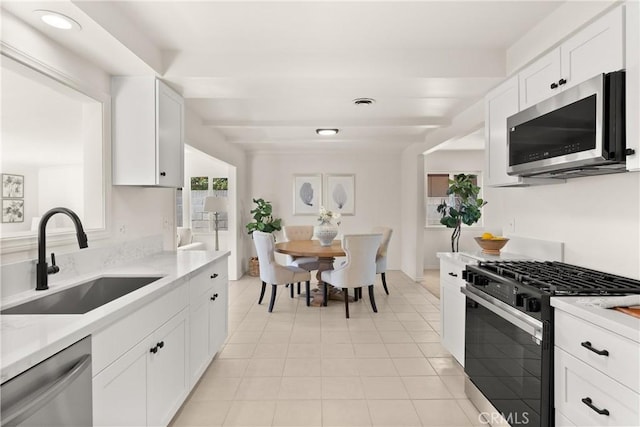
[504,355]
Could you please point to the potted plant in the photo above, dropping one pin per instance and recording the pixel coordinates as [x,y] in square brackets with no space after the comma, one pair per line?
[463,207]
[263,220]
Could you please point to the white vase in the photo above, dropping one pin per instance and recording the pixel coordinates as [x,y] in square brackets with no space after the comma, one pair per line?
[325,233]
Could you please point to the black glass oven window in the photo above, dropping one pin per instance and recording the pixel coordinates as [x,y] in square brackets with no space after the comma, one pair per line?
[570,129]
[505,364]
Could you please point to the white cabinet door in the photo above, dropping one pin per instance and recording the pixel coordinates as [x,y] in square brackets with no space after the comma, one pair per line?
[199,336]
[540,80]
[148,133]
[170,107]
[167,370]
[452,308]
[120,390]
[500,103]
[598,48]
[218,327]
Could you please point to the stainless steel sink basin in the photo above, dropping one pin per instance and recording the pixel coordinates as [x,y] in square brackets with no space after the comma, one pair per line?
[82,298]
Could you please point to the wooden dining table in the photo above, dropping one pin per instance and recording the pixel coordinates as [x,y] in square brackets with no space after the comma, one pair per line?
[312,248]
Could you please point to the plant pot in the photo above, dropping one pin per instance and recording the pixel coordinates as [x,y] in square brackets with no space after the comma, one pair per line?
[254,267]
[325,233]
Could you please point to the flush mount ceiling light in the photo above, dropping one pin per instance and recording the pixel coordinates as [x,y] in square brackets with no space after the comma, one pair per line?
[364,101]
[326,131]
[57,20]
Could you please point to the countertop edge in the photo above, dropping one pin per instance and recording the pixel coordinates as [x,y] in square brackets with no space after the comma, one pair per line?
[72,328]
[614,321]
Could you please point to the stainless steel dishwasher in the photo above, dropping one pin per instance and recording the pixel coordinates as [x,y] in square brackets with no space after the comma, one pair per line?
[55,392]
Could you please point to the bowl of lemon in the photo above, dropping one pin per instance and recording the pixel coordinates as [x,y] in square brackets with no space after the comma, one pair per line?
[491,244]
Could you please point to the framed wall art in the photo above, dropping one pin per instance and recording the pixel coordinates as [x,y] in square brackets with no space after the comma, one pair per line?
[307,194]
[12,210]
[341,193]
[12,186]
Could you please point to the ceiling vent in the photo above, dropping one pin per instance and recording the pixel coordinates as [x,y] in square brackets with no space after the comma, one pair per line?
[364,101]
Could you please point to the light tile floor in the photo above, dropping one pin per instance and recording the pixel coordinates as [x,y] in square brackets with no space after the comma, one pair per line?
[309,366]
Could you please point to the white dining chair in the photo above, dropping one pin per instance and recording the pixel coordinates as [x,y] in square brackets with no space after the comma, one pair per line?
[273,273]
[358,270]
[381,256]
[300,232]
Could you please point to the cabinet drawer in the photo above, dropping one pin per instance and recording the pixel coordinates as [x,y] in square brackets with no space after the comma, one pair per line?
[623,360]
[211,276]
[451,272]
[108,344]
[576,381]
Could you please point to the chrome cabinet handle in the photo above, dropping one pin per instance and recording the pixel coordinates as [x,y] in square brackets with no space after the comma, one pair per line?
[588,346]
[161,344]
[154,349]
[30,404]
[562,82]
[453,274]
[587,401]
[554,85]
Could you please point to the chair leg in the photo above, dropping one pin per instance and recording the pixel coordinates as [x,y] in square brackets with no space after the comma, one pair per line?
[373,300]
[274,288]
[298,288]
[291,288]
[355,294]
[360,292]
[325,294]
[264,286]
[384,283]
[308,288]
[345,292]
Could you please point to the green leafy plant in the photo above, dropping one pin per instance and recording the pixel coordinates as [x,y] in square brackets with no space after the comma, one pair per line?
[263,218]
[464,208]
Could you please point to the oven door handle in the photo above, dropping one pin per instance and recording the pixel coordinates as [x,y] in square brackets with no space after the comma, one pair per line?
[528,324]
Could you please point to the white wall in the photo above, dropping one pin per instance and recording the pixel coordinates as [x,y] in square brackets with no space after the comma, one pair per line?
[377,195]
[438,239]
[597,218]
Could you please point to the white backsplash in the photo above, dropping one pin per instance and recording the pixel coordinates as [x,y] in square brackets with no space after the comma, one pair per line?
[21,276]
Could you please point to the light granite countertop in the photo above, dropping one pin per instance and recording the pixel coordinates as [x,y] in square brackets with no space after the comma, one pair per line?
[29,339]
[612,320]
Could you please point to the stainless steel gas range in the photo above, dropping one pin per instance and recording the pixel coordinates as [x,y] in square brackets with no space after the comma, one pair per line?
[509,331]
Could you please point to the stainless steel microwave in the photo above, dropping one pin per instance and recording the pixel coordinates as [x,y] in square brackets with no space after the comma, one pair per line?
[578,132]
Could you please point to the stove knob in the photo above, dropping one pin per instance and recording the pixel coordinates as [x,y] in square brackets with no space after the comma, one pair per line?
[533,305]
[521,300]
[480,281]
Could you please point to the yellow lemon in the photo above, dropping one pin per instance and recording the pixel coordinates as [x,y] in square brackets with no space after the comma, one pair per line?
[487,236]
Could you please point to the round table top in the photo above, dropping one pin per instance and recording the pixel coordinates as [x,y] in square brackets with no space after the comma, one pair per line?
[310,248]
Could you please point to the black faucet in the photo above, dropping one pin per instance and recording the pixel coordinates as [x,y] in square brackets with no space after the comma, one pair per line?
[42,269]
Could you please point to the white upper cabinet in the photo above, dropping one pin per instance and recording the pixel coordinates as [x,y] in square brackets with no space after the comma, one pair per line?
[598,48]
[148,133]
[500,103]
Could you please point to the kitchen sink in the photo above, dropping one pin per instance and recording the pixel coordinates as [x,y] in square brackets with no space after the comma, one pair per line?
[82,298]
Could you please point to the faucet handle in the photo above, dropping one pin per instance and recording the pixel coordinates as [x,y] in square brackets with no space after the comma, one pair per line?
[53,269]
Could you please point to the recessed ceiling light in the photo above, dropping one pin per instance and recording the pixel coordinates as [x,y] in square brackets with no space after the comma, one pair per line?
[57,20]
[326,131]
[364,101]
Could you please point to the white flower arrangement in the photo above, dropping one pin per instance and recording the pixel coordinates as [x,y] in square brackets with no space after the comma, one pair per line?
[326,216]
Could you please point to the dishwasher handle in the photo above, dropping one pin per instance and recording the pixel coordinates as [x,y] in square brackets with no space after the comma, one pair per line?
[31,403]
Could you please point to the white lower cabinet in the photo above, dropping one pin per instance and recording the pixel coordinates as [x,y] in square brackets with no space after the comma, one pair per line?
[208,295]
[146,385]
[146,363]
[452,308]
[596,375]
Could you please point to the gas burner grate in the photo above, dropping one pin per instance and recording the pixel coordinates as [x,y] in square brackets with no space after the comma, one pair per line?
[560,278]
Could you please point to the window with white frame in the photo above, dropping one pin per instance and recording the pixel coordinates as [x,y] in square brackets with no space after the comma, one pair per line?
[436,186]
[202,187]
